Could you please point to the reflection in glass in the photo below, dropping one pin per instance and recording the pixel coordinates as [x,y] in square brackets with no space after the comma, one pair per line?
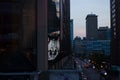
[17,36]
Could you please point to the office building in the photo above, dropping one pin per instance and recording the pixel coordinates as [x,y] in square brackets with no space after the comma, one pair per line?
[71,33]
[98,46]
[103,33]
[115,38]
[115,31]
[79,46]
[91,24]
[86,47]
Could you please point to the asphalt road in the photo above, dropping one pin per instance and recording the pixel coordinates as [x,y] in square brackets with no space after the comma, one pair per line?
[88,73]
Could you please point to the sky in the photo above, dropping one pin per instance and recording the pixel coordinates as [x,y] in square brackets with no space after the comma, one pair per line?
[81,8]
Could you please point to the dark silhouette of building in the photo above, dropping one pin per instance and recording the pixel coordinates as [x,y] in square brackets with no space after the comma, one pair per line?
[71,32]
[26,27]
[103,33]
[91,26]
[17,36]
[22,50]
[115,32]
[115,38]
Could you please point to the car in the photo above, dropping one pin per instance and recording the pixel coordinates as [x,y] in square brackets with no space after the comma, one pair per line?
[86,65]
[103,72]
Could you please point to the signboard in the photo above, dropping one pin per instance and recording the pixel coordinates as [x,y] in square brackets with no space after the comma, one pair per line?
[53,29]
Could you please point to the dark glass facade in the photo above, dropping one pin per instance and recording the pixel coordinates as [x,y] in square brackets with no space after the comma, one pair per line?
[115,32]
[91,24]
[65,28]
[34,34]
[17,35]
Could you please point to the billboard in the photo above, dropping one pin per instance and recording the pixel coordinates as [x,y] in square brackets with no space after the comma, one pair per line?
[53,29]
[58,30]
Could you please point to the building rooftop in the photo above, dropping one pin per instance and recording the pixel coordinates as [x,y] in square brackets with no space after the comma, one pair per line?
[103,28]
[91,15]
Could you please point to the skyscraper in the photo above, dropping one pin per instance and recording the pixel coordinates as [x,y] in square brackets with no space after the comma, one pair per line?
[91,26]
[115,38]
[115,31]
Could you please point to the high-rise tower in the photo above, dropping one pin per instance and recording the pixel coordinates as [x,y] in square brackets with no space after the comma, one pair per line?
[115,38]
[91,26]
[115,31]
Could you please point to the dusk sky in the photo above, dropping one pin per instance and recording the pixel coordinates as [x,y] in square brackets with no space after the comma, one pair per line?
[81,8]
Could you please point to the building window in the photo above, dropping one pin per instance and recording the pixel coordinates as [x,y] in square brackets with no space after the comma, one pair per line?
[114,33]
[113,1]
[114,24]
[113,16]
[113,6]
[113,11]
[114,20]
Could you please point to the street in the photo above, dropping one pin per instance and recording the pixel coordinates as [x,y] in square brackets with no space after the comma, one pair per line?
[87,73]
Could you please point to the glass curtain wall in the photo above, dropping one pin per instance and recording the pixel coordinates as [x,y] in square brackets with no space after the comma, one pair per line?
[17,35]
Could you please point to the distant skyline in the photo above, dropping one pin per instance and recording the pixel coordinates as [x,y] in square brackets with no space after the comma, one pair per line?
[81,8]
